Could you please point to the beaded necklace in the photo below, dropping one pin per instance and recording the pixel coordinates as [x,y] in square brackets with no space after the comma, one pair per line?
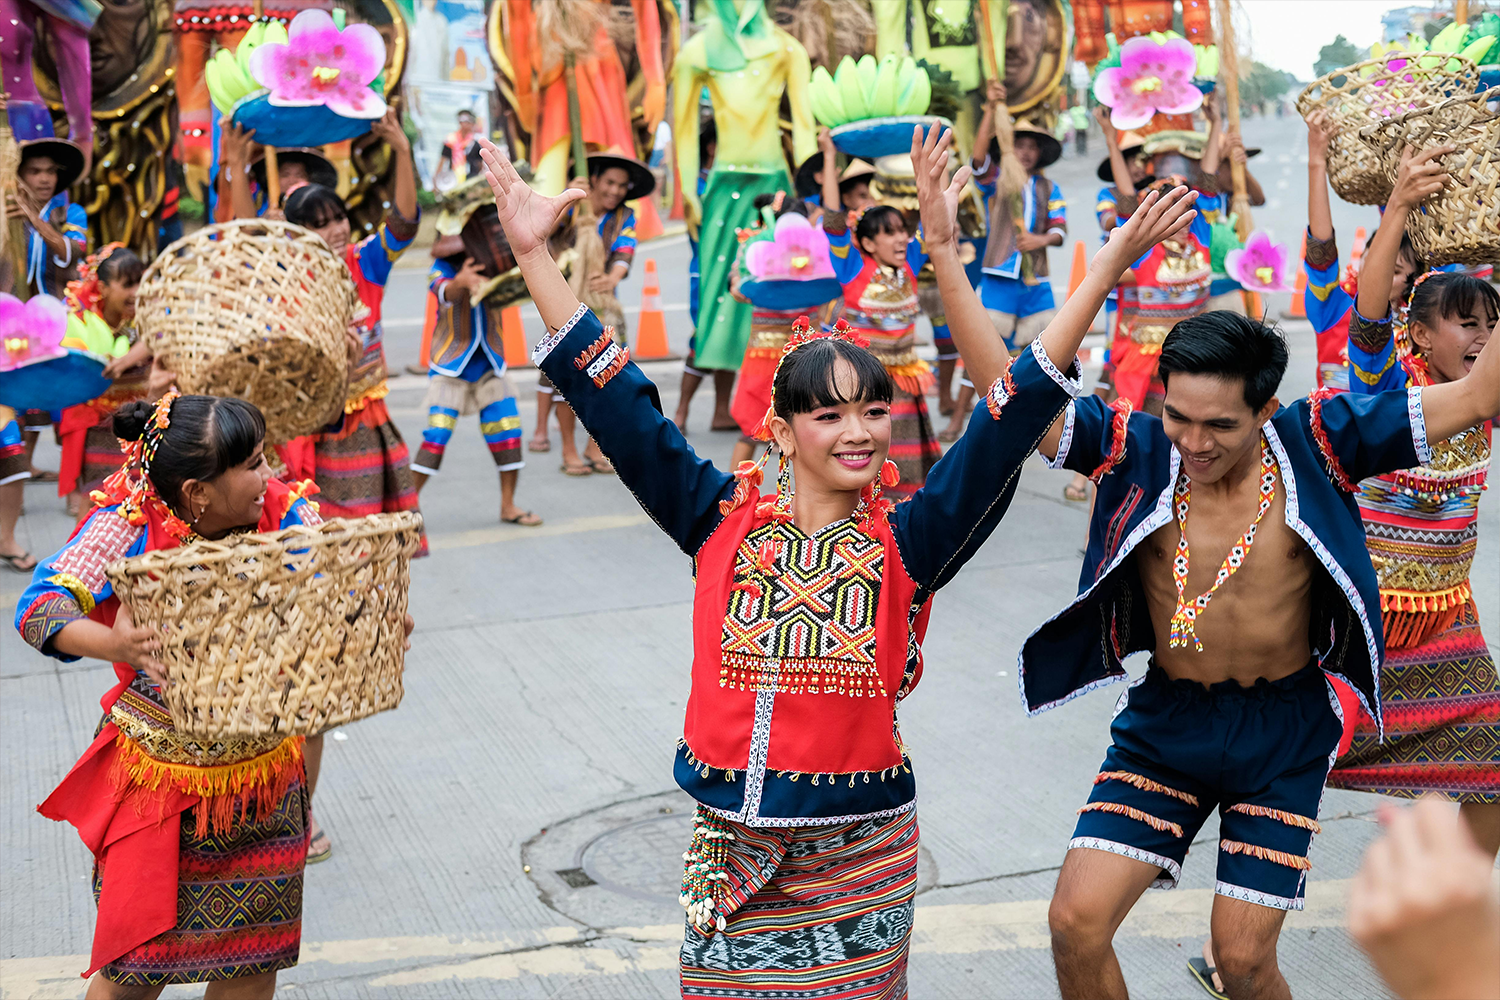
[1184,618]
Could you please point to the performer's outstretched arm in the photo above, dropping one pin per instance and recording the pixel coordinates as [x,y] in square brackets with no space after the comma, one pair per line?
[616,402]
[1420,177]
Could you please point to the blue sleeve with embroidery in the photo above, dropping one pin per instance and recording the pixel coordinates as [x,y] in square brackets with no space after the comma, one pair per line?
[69,583]
[1057,210]
[845,256]
[1360,435]
[378,253]
[625,242]
[1324,300]
[1373,366]
[1107,202]
[621,409]
[970,488]
[442,272]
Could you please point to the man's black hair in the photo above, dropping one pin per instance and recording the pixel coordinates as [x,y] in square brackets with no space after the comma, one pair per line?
[805,380]
[1231,347]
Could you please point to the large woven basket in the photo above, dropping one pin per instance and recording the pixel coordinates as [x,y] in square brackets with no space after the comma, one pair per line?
[1461,223]
[257,310]
[286,633]
[1369,92]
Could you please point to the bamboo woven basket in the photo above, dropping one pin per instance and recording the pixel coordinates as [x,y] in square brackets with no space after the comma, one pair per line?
[1461,223]
[1369,92]
[287,633]
[258,310]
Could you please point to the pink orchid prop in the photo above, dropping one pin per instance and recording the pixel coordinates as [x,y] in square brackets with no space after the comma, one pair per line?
[1262,266]
[32,331]
[1152,76]
[797,250]
[322,65]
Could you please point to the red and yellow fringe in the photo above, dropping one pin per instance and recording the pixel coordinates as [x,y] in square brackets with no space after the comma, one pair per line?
[1280,815]
[915,378]
[1144,784]
[1266,854]
[223,791]
[1118,425]
[1412,618]
[1135,814]
[1315,418]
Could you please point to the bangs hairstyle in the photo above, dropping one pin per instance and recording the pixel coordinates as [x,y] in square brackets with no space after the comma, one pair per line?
[121,266]
[1449,295]
[878,220]
[1228,346]
[208,436]
[790,205]
[805,380]
[313,206]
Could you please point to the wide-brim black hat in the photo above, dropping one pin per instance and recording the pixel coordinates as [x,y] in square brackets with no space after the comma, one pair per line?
[67,155]
[1131,145]
[320,169]
[1051,149]
[642,180]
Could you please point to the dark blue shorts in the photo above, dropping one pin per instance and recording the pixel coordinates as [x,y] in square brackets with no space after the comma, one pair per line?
[1260,755]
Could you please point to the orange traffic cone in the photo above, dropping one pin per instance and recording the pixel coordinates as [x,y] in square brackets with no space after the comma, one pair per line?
[1358,250]
[1298,308]
[513,338]
[651,328]
[1080,268]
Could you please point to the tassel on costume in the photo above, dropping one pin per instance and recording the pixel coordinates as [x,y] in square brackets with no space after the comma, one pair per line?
[1118,424]
[1266,854]
[1129,812]
[1411,619]
[1280,815]
[1145,784]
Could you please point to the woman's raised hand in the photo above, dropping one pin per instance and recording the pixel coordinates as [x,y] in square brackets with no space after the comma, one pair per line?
[937,196]
[527,217]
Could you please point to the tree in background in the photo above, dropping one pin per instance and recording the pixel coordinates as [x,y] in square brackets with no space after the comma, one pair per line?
[1339,52]
[1263,86]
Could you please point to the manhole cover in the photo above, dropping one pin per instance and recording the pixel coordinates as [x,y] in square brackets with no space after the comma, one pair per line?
[621,865]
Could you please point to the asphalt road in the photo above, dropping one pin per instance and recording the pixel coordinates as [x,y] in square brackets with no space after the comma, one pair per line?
[512,830]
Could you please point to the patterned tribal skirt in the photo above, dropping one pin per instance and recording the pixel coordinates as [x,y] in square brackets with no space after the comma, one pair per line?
[914,446]
[365,468]
[822,911]
[239,903]
[1441,704]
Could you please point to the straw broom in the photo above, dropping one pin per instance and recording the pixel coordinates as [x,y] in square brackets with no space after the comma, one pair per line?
[1012,179]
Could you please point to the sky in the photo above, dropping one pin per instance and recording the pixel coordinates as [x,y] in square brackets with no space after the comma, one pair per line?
[1287,34]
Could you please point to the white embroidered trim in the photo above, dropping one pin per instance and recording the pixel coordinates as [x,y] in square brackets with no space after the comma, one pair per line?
[997,397]
[1294,519]
[1114,847]
[1259,898]
[1125,697]
[780,821]
[1066,442]
[1159,516]
[1418,418]
[545,346]
[760,745]
[1073,387]
[604,360]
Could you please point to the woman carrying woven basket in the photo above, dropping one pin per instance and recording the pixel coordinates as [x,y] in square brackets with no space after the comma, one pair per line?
[811,604]
[175,825]
[1439,691]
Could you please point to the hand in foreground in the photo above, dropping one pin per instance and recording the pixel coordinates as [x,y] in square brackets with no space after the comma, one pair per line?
[1320,131]
[388,128]
[1422,907]
[1420,176]
[527,217]
[937,196]
[1157,218]
[137,646]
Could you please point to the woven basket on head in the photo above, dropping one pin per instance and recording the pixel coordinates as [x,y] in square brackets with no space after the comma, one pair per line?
[286,633]
[1461,223]
[257,310]
[1372,91]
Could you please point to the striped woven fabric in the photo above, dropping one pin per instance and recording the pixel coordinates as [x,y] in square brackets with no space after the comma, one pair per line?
[914,446]
[813,911]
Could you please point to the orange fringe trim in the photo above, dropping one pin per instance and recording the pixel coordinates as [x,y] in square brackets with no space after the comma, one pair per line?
[915,378]
[1136,814]
[1265,854]
[1290,819]
[1411,618]
[223,791]
[1144,784]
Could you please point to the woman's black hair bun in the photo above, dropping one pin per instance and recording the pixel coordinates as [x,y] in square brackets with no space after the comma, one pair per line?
[130,420]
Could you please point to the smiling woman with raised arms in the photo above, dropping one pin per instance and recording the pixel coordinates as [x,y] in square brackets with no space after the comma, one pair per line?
[810,605]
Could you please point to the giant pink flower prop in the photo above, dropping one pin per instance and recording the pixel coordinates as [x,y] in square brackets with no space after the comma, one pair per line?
[321,65]
[1262,266]
[32,331]
[1152,76]
[797,250]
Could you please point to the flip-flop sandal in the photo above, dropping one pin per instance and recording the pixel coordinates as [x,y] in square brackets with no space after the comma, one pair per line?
[583,468]
[539,447]
[11,562]
[731,426]
[949,434]
[946,409]
[603,466]
[320,854]
[1071,496]
[521,519]
[1203,975]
